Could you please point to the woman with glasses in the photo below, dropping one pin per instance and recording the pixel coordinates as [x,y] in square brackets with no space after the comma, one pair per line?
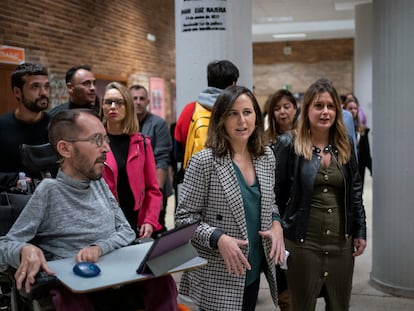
[130,168]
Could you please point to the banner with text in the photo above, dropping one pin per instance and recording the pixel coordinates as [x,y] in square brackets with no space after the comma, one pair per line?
[202,15]
[11,55]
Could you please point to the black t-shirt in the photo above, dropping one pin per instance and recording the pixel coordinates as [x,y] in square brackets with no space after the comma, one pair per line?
[120,147]
[13,133]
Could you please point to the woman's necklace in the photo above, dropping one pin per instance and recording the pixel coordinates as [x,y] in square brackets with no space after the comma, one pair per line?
[323,155]
[325,150]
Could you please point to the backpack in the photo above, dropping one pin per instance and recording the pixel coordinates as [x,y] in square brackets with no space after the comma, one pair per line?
[197,132]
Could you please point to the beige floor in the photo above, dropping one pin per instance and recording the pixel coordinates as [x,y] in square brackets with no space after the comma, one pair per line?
[364,296]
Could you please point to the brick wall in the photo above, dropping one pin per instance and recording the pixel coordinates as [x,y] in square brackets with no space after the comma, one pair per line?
[111,36]
[308,61]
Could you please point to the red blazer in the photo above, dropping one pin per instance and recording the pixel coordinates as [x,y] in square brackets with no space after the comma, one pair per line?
[142,176]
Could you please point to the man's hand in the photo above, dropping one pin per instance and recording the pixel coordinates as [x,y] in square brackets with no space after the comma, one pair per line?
[90,253]
[145,231]
[31,260]
[234,258]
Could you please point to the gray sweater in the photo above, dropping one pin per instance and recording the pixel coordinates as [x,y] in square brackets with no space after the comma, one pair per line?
[65,215]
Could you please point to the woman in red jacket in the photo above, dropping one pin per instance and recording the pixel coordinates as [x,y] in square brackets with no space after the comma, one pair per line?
[130,170]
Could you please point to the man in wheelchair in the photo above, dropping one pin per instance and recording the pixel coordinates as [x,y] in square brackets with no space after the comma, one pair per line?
[75,214]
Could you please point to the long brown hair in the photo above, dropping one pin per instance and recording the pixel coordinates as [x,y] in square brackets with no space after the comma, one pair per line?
[359,126]
[273,130]
[338,136]
[218,139]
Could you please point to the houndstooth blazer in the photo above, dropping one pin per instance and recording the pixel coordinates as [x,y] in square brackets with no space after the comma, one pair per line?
[210,194]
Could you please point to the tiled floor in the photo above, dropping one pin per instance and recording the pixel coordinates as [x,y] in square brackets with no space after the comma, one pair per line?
[364,296]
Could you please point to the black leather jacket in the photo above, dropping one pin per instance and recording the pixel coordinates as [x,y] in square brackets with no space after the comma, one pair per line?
[295,177]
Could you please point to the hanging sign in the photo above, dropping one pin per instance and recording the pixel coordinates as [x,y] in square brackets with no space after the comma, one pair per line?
[203,15]
[11,55]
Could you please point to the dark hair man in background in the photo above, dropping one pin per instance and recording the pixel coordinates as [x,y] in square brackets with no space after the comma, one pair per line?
[81,85]
[27,124]
[220,74]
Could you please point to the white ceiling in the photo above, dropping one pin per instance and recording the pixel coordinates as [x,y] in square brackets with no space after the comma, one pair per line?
[317,19]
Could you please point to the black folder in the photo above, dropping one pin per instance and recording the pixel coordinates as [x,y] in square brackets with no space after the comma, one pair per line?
[169,250]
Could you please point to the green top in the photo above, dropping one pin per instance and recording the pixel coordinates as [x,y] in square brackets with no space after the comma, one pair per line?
[327,206]
[251,202]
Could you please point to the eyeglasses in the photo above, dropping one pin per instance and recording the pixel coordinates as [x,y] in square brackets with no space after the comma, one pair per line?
[110,101]
[98,139]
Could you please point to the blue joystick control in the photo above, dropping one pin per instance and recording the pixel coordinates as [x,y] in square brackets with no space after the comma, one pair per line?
[86,269]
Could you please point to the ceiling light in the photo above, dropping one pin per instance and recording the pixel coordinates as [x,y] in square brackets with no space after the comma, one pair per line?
[273,19]
[289,35]
[349,6]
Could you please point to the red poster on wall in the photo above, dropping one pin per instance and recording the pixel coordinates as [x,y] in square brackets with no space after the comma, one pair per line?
[157,90]
[11,55]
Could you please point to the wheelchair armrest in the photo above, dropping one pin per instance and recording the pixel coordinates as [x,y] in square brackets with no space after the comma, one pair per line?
[43,284]
[20,300]
[42,278]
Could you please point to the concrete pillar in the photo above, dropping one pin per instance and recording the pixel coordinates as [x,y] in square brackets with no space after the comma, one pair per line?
[393,182]
[229,37]
[363,59]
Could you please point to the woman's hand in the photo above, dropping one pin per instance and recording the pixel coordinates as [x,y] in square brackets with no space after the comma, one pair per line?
[360,245]
[234,258]
[275,234]
[145,231]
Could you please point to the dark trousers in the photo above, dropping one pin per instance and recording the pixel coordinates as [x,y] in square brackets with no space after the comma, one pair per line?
[156,294]
[163,212]
[250,295]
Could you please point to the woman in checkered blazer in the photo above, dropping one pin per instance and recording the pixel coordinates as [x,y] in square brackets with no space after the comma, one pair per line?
[229,188]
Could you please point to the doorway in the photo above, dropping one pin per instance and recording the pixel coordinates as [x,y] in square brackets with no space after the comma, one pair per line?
[8,101]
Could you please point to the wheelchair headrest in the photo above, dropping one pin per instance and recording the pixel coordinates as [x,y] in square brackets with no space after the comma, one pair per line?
[11,205]
[39,158]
